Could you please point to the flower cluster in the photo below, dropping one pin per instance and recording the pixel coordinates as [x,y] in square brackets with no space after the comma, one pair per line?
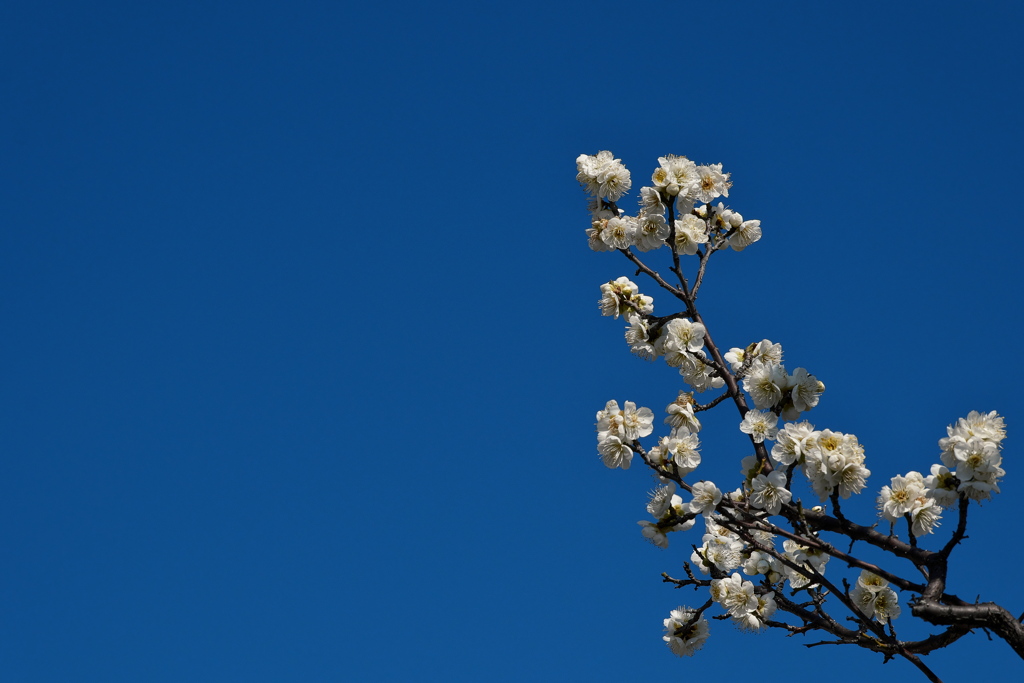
[721,549]
[768,383]
[874,598]
[831,461]
[623,297]
[617,429]
[676,185]
[909,495]
[672,515]
[603,175]
[748,609]
[810,560]
[973,452]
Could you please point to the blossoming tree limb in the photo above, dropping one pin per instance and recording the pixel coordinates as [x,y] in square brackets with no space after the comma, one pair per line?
[744,529]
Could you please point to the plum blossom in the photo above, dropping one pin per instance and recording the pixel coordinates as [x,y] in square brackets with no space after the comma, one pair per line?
[602,175]
[760,425]
[685,631]
[768,492]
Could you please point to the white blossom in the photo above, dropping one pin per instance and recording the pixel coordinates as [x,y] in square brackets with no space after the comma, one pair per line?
[602,175]
[712,183]
[762,564]
[683,637]
[706,496]
[699,374]
[682,451]
[941,485]
[651,201]
[651,231]
[734,594]
[755,619]
[873,597]
[678,337]
[833,460]
[746,234]
[768,492]
[680,413]
[676,176]
[691,233]
[638,338]
[636,423]
[622,297]
[900,496]
[764,383]
[804,390]
[790,440]
[594,235]
[615,453]
[760,425]
[619,232]
[653,534]
[807,558]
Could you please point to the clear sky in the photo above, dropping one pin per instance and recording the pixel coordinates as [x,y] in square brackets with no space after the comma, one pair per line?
[301,350]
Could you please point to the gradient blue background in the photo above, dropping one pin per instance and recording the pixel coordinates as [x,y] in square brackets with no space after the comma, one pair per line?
[301,351]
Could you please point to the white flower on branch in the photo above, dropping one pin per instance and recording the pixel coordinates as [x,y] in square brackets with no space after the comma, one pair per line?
[602,175]
[609,421]
[676,176]
[768,492]
[790,442]
[698,373]
[637,423]
[755,619]
[651,231]
[976,458]
[622,297]
[986,426]
[725,219]
[706,497]
[735,595]
[651,202]
[681,450]
[810,559]
[941,485]
[721,548]
[874,598]
[925,516]
[804,391]
[712,183]
[678,339]
[691,233]
[900,497]
[746,234]
[620,232]
[762,564]
[594,236]
[616,429]
[637,336]
[680,413]
[653,534]
[683,637]
[615,453]
[661,500]
[765,383]
[833,460]
[764,352]
[760,425]
[910,495]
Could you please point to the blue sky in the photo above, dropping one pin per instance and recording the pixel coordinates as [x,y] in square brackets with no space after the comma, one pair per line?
[302,351]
